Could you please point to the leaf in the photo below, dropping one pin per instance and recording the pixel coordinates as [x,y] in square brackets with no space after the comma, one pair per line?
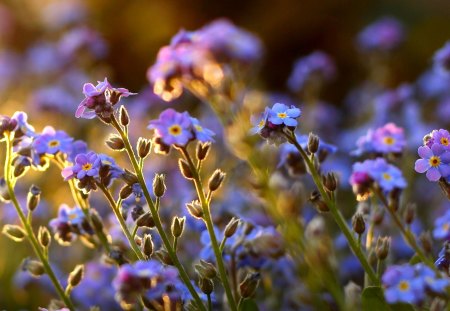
[373,299]
[415,260]
[248,305]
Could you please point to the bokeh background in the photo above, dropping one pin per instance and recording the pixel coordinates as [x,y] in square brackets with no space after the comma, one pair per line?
[49,49]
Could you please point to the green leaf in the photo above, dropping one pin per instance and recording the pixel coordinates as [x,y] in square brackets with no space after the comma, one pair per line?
[248,305]
[415,260]
[373,299]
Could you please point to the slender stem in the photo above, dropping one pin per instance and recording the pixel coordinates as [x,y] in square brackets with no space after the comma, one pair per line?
[407,235]
[175,244]
[29,230]
[183,274]
[222,244]
[122,223]
[331,203]
[379,268]
[210,227]
[135,229]
[209,303]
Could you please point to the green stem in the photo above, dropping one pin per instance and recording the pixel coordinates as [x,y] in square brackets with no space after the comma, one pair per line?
[139,173]
[29,230]
[331,203]
[210,227]
[209,303]
[122,223]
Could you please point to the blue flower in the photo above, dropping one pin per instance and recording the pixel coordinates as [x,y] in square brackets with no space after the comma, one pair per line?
[173,128]
[281,114]
[441,229]
[401,285]
[202,134]
[51,142]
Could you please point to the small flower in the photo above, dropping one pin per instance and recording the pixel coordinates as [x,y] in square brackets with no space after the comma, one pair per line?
[441,137]
[389,139]
[383,35]
[281,114]
[202,134]
[22,123]
[401,285]
[435,161]
[442,227]
[259,122]
[442,59]
[52,142]
[432,283]
[85,165]
[173,128]
[69,223]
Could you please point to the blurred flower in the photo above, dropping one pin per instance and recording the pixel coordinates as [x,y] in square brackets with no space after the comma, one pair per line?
[442,59]
[69,223]
[386,139]
[441,229]
[384,35]
[402,285]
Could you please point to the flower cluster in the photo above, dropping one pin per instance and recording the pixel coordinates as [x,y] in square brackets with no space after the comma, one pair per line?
[70,223]
[383,140]
[410,284]
[383,35]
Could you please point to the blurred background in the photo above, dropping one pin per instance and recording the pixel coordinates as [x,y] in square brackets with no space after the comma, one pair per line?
[49,49]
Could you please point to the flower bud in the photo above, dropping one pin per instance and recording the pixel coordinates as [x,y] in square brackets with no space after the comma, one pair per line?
[317,201]
[123,116]
[330,182]
[143,147]
[34,267]
[185,169]
[125,192]
[195,209]
[322,155]
[145,220]
[33,198]
[129,177]
[426,241]
[76,276]
[159,186]
[202,150]
[231,227]
[147,245]
[178,226]
[206,285]
[96,221]
[164,257]
[378,216]
[410,213]
[44,236]
[206,270]
[116,256]
[382,247]
[4,192]
[313,143]
[358,224]
[21,164]
[372,257]
[115,143]
[248,286]
[216,180]
[14,232]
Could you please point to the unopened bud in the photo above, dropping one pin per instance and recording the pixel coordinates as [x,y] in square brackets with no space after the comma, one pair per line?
[129,177]
[124,117]
[147,245]
[195,209]
[143,147]
[96,221]
[34,267]
[206,285]
[159,186]
[231,227]
[145,220]
[185,169]
[330,182]
[125,192]
[206,269]
[378,216]
[115,143]
[382,247]
[313,143]
[164,256]
[44,236]
[21,164]
[372,257]
[358,224]
[216,180]
[317,201]
[4,192]
[203,150]
[33,198]
[14,232]
[178,226]
[249,285]
[76,276]
[410,213]
[394,199]
[322,155]
[426,241]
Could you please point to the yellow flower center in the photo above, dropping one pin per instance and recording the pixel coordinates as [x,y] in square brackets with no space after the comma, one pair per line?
[281,115]
[444,141]
[198,128]
[446,226]
[435,161]
[53,143]
[388,140]
[72,216]
[175,130]
[387,176]
[261,123]
[87,166]
[403,286]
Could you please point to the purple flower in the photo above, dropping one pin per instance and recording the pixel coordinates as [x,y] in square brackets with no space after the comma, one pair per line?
[441,229]
[442,59]
[316,65]
[389,138]
[281,114]
[69,223]
[402,285]
[435,161]
[51,142]
[202,134]
[85,165]
[173,128]
[384,35]
[22,123]
[440,137]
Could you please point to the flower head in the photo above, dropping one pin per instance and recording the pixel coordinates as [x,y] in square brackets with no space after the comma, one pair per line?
[442,59]
[281,114]
[441,229]
[51,142]
[69,223]
[402,285]
[85,165]
[202,134]
[383,35]
[435,162]
[174,128]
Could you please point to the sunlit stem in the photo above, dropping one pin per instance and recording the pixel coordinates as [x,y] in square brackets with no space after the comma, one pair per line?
[153,210]
[27,226]
[210,227]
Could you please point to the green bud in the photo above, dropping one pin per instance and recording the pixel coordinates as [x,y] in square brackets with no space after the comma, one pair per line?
[313,143]
[231,227]
[129,177]
[216,180]
[76,276]
[195,209]
[410,213]
[185,169]
[124,118]
[202,150]
[249,285]
[382,247]
[44,236]
[147,245]
[33,198]
[4,192]
[206,270]
[143,147]
[178,226]
[14,232]
[330,182]
[115,143]
[159,186]
[34,267]
[206,285]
